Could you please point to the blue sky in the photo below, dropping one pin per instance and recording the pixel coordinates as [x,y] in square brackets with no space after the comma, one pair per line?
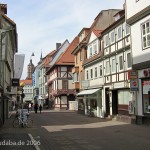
[43,23]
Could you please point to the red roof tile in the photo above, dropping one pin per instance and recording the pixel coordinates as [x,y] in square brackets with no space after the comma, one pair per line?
[26,81]
[97,32]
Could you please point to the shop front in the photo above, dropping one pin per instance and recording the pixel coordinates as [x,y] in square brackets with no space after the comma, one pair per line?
[90,101]
[143,97]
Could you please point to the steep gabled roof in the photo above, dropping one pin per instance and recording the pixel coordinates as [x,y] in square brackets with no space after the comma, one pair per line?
[97,32]
[67,58]
[47,58]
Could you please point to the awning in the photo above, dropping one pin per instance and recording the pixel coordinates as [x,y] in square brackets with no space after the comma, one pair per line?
[87,92]
[40,97]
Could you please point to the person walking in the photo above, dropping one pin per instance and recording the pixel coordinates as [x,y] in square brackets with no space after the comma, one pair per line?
[40,108]
[36,108]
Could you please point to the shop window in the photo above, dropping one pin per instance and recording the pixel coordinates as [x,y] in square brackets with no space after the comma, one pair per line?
[146,95]
[93,104]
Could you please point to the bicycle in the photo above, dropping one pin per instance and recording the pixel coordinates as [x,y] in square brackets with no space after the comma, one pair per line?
[23,121]
[90,113]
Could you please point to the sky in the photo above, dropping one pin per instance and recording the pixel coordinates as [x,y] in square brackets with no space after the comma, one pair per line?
[43,23]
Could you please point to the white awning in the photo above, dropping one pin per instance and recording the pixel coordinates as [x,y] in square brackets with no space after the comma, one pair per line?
[40,97]
[87,92]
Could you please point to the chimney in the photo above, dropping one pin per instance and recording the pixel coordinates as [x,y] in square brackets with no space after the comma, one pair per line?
[58,45]
[3,8]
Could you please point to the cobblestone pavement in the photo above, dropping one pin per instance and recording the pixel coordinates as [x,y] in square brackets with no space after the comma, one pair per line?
[64,130]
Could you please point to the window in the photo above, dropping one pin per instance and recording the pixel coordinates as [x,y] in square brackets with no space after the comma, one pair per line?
[112,37]
[120,63]
[95,48]
[90,51]
[96,72]
[91,73]
[113,65]
[107,67]
[106,40]
[146,34]
[129,63]
[127,29]
[119,33]
[64,84]
[100,70]
[87,75]
[75,77]
[124,96]
[80,55]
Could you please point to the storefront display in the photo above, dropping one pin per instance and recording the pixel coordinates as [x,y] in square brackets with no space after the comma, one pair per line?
[146,95]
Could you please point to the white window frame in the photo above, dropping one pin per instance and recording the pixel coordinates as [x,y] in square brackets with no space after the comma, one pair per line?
[120,69]
[106,40]
[87,74]
[107,68]
[95,47]
[91,73]
[113,68]
[127,60]
[127,29]
[119,34]
[90,51]
[112,41]
[100,70]
[146,35]
[95,72]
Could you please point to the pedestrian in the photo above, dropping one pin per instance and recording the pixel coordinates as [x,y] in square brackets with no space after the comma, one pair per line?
[40,108]
[36,108]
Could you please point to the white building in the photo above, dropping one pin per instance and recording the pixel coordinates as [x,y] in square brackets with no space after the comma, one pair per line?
[138,16]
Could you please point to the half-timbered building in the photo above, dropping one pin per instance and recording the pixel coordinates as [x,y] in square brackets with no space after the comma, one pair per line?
[60,80]
[117,62]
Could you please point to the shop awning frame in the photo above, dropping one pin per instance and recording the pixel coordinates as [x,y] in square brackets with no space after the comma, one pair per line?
[87,92]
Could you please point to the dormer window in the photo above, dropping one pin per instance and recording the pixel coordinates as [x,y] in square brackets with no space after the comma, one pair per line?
[91,51]
[117,17]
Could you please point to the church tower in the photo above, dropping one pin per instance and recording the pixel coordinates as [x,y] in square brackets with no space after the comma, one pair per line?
[30,70]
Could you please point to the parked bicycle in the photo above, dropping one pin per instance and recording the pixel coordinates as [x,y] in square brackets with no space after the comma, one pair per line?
[90,113]
[22,120]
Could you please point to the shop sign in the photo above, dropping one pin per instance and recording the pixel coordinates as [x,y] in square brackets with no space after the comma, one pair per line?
[15,82]
[134,85]
[132,74]
[144,73]
[119,85]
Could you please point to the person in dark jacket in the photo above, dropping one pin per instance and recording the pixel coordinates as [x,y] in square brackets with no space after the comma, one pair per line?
[36,108]
[40,108]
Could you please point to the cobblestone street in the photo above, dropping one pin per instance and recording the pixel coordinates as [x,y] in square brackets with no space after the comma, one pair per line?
[64,130]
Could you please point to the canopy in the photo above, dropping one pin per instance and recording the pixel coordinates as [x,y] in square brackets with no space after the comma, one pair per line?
[87,92]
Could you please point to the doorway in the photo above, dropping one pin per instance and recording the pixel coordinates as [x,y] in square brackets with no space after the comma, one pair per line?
[107,101]
[114,102]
